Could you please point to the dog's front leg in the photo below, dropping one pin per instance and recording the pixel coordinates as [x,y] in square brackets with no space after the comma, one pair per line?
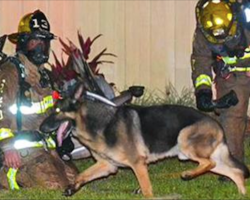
[100,169]
[140,169]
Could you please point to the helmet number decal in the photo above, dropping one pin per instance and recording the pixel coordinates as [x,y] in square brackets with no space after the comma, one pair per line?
[43,24]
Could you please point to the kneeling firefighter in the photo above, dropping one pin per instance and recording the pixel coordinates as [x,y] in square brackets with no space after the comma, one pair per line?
[221,44]
[29,157]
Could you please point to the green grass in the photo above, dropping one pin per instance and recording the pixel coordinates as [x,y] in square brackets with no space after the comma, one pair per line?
[165,178]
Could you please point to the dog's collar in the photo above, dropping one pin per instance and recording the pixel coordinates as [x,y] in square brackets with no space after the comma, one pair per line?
[100,98]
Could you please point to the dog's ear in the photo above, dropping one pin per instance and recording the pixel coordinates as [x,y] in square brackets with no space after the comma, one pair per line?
[79,91]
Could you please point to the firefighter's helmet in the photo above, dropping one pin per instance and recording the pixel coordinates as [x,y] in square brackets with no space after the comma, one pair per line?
[35,21]
[217,20]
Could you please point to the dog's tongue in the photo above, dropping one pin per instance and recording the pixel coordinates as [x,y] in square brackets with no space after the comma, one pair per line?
[61,132]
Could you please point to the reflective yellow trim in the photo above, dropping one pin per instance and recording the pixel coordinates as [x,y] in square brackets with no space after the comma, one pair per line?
[1,114]
[233,60]
[11,176]
[46,103]
[230,60]
[51,143]
[35,108]
[5,133]
[240,69]
[203,79]
[23,144]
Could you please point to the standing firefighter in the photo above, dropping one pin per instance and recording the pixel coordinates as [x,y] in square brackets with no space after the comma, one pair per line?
[29,157]
[221,43]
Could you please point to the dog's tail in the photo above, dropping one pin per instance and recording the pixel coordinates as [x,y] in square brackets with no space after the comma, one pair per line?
[229,166]
[223,157]
[240,165]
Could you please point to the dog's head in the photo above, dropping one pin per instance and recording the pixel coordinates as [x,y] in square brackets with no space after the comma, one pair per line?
[63,118]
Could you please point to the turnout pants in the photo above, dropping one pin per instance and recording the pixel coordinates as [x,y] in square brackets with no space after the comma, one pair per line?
[234,119]
[40,169]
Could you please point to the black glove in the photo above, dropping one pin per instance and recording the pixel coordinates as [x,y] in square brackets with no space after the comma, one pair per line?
[136,91]
[228,100]
[204,100]
[66,148]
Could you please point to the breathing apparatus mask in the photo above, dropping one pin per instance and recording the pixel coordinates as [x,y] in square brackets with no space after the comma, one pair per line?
[36,46]
[33,37]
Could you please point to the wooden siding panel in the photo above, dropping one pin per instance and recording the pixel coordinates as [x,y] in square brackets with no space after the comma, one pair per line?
[137,42]
[56,16]
[107,40]
[62,23]
[162,52]
[112,24]
[30,6]
[119,45]
[152,39]
[87,17]
[183,44]
[11,13]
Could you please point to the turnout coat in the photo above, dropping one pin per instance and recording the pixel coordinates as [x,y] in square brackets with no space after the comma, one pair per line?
[41,166]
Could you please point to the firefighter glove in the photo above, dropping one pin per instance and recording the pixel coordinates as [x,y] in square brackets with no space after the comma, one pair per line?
[228,100]
[204,100]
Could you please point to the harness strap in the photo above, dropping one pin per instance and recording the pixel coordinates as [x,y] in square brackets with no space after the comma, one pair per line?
[23,85]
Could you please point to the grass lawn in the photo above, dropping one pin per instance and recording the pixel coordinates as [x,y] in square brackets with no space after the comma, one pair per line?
[165,178]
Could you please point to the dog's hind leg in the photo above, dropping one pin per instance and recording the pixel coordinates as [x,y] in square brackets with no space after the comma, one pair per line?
[197,143]
[141,171]
[204,166]
[228,166]
[100,169]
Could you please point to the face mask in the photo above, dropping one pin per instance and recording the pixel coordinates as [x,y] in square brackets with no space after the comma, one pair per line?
[234,41]
[38,51]
[237,45]
[35,46]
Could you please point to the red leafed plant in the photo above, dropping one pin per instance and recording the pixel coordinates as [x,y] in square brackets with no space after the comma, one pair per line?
[63,71]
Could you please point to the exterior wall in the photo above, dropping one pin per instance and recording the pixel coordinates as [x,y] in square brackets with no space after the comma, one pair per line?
[151,38]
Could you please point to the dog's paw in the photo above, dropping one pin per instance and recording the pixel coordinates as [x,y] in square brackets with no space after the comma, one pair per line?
[186,176]
[224,179]
[69,191]
[137,191]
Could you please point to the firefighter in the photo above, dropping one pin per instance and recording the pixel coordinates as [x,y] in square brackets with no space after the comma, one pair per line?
[29,157]
[221,45]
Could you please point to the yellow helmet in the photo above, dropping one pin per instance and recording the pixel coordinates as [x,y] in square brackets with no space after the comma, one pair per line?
[217,20]
[31,22]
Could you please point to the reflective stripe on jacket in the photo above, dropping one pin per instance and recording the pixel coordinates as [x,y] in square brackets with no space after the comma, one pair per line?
[35,108]
[11,176]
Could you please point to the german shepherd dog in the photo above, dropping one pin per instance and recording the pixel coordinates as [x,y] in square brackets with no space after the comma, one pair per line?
[134,136]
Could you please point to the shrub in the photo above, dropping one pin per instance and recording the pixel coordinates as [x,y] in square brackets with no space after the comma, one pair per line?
[170,96]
